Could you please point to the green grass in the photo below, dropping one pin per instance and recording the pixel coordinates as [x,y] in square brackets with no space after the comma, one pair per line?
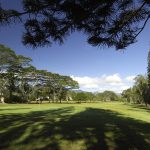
[99,126]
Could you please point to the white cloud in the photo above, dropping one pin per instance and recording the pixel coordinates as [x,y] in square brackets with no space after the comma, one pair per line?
[111,82]
[130,78]
[115,78]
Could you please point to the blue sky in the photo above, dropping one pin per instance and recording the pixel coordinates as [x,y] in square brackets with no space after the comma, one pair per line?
[90,66]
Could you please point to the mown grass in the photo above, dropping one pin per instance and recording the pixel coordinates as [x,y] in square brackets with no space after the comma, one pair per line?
[99,126]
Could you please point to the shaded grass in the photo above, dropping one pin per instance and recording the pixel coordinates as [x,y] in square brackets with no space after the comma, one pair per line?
[106,126]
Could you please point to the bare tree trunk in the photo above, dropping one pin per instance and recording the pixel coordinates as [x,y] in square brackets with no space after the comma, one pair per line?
[2,100]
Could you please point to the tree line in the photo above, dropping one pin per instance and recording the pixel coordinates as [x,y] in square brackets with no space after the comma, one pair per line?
[21,82]
[106,96]
[140,92]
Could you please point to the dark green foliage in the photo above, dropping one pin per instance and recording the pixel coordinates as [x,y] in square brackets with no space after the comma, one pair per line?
[90,96]
[107,96]
[128,95]
[107,23]
[148,72]
[139,93]
[148,75]
[81,97]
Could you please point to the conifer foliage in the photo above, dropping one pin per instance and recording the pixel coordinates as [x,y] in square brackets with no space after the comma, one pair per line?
[148,69]
[112,23]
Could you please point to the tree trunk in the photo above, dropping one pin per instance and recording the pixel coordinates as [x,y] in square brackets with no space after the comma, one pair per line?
[53,96]
[2,100]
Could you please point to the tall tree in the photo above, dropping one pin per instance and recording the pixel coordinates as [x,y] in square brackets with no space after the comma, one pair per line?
[7,56]
[148,75]
[141,85]
[14,72]
[148,69]
[107,22]
[25,82]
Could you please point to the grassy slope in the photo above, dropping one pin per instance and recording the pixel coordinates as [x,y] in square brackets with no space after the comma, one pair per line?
[74,127]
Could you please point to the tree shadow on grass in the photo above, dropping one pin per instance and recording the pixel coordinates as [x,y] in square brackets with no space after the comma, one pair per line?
[142,107]
[61,129]
[5,109]
[139,107]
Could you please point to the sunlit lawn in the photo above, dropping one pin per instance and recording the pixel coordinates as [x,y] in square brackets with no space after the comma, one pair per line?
[99,126]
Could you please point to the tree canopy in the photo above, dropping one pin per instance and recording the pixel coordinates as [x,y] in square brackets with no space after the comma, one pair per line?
[139,93]
[112,23]
[20,81]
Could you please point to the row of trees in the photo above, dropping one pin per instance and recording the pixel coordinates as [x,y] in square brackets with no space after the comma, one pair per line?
[105,96]
[22,82]
[140,92]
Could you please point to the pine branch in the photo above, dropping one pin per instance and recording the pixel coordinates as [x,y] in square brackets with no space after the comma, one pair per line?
[141,29]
